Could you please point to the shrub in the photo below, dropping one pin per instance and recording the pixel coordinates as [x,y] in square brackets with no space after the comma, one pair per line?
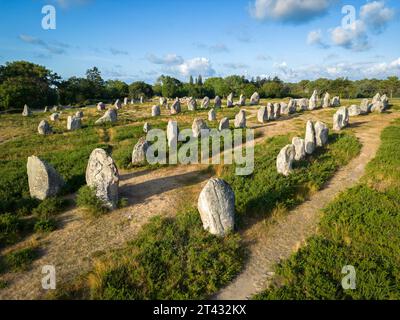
[19,260]
[10,229]
[45,225]
[87,199]
[50,207]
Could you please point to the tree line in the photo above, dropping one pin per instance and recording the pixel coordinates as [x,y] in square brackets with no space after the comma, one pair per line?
[23,82]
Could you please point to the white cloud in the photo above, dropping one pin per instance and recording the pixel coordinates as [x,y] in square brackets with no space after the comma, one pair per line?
[169,60]
[376,15]
[315,38]
[196,66]
[57,48]
[352,37]
[290,11]
[235,66]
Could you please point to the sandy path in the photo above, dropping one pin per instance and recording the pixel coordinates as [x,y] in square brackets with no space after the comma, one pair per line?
[280,240]
[72,247]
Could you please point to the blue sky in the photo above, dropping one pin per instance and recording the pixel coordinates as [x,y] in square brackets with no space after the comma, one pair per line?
[140,40]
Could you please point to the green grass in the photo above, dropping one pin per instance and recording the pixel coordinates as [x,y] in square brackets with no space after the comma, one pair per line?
[360,228]
[170,259]
[88,200]
[19,260]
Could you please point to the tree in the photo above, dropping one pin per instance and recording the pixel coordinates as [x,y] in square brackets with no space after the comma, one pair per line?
[191,81]
[391,84]
[170,87]
[140,89]
[116,89]
[96,83]
[23,82]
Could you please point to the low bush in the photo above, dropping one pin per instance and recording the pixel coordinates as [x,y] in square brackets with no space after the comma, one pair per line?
[87,199]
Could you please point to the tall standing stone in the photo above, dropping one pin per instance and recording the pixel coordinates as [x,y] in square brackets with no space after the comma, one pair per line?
[223,124]
[199,126]
[192,104]
[217,102]
[43,179]
[176,107]
[292,106]
[262,115]
[117,104]
[155,111]
[242,100]
[284,108]
[299,148]
[255,99]
[376,98]
[321,134]
[327,101]
[26,112]
[205,103]
[240,119]
[335,103]
[302,104]
[313,103]
[172,133]
[44,128]
[365,106]
[125,101]
[310,138]
[73,123]
[216,205]
[341,119]
[102,175]
[212,116]
[277,110]
[229,101]
[385,101]
[163,102]
[139,151]
[284,161]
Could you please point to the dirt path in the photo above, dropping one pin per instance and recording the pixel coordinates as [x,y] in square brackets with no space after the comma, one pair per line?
[73,246]
[268,246]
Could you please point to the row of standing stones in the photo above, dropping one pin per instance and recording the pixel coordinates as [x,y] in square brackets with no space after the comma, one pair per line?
[216,202]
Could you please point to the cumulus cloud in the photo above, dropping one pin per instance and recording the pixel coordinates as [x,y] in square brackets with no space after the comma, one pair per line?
[290,11]
[58,48]
[195,66]
[169,59]
[315,38]
[374,17]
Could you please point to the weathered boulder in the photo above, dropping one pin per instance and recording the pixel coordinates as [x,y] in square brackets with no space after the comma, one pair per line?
[217,102]
[109,116]
[335,103]
[43,179]
[192,104]
[172,133]
[117,104]
[223,124]
[310,138]
[141,100]
[198,127]
[101,106]
[341,119]
[102,175]
[284,108]
[44,128]
[176,107]
[155,111]
[321,134]
[270,111]
[385,101]
[255,99]
[125,101]
[242,100]
[302,104]
[354,110]
[292,106]
[285,159]
[216,205]
[54,116]
[46,109]
[27,111]
[313,103]
[376,98]
[299,148]
[240,119]
[73,123]
[365,106]
[262,115]
[378,107]
[163,102]
[212,116]
[229,101]
[327,101]
[277,110]
[205,103]
[146,127]
[139,151]
[79,114]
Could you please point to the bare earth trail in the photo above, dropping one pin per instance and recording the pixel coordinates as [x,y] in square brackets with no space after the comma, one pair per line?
[289,233]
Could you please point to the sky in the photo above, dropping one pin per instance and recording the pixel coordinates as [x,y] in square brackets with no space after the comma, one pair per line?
[140,40]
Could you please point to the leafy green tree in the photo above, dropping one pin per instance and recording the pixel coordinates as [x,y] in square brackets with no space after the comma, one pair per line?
[139,88]
[392,85]
[116,89]
[170,87]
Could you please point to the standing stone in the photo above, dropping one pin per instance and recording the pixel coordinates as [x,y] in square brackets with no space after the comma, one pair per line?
[341,119]
[54,116]
[223,124]
[155,111]
[73,123]
[242,100]
[176,107]
[217,102]
[146,127]
[365,106]
[192,104]
[284,162]
[26,112]
[198,126]
[216,206]
[270,111]
[327,101]
[321,134]
[125,101]
[376,98]
[44,128]
[141,99]
[102,175]
[385,101]
[277,110]
[229,102]
[43,179]
[79,114]
[378,107]
[292,106]
[117,104]
[335,103]
[310,138]
[205,103]
[299,148]
[302,104]
[109,116]
[132,101]
[46,109]
[212,116]
[163,102]
[262,115]
[313,103]
[255,99]
[172,133]
[101,106]
[240,119]
[354,110]
[284,108]
[139,151]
